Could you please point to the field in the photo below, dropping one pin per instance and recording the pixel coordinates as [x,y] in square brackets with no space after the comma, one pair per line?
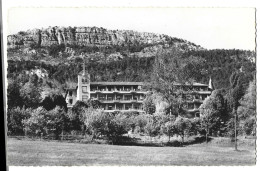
[31,153]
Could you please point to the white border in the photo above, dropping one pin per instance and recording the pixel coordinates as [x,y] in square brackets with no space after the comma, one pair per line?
[126,3]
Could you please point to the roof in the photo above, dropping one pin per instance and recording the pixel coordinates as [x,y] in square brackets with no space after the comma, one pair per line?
[116,83]
[128,83]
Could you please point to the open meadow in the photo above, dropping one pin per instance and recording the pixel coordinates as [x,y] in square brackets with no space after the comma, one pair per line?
[28,152]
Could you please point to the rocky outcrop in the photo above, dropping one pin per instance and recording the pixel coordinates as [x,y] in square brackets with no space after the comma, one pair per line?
[90,36]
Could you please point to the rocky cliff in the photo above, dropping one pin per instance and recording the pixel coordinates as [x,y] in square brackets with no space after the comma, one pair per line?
[93,36]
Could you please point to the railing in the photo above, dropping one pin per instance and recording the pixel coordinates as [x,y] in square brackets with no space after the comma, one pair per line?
[120,90]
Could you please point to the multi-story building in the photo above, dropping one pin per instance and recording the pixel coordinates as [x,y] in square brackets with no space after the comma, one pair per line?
[126,96]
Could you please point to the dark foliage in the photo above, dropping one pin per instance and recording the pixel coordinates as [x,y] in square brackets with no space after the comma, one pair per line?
[53,100]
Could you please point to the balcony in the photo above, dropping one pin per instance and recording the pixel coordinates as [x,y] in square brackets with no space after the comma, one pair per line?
[134,100]
[133,91]
[97,91]
[115,91]
[116,100]
[198,100]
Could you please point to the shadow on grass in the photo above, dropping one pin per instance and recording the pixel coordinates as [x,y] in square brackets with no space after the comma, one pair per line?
[127,141]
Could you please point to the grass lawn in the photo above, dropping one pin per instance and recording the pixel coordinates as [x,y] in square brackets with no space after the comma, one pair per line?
[42,153]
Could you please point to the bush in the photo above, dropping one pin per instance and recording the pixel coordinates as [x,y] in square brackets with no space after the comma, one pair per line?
[57,121]
[43,122]
[36,124]
[76,116]
[15,116]
[148,104]
[183,127]
[96,122]
[169,129]
[99,123]
[140,122]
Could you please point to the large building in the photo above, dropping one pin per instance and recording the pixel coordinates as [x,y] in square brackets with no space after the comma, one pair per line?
[126,96]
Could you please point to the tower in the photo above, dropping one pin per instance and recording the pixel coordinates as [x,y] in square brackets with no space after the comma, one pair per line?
[211,87]
[83,91]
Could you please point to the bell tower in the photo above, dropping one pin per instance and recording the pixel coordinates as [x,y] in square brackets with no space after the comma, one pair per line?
[83,91]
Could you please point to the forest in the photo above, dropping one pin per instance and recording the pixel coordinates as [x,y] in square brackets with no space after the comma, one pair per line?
[232,72]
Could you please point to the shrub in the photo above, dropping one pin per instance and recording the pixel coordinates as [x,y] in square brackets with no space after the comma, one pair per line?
[15,116]
[152,128]
[140,122]
[43,122]
[195,126]
[99,123]
[57,121]
[183,126]
[169,129]
[148,104]
[96,122]
[76,116]
[36,124]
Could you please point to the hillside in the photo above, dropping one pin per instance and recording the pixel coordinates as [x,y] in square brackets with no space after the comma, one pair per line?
[113,55]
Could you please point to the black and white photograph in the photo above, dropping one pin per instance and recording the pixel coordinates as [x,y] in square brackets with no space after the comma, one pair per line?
[130,86]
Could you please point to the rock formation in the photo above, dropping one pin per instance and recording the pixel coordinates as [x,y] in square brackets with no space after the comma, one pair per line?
[90,36]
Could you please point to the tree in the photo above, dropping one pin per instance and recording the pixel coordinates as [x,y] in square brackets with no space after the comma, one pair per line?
[171,77]
[43,122]
[195,126]
[234,95]
[169,129]
[182,126]
[93,103]
[99,123]
[15,116]
[36,124]
[247,110]
[14,98]
[140,122]
[152,128]
[213,113]
[148,105]
[57,121]
[96,122]
[77,114]
[119,124]
[31,95]
[53,100]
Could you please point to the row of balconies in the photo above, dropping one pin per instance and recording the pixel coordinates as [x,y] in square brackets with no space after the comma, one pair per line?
[120,100]
[117,91]
[121,108]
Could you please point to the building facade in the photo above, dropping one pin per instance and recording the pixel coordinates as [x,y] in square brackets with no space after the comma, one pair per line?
[126,96]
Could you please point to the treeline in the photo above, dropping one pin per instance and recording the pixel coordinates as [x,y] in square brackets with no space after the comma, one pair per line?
[88,119]
[127,69]
[220,64]
[217,64]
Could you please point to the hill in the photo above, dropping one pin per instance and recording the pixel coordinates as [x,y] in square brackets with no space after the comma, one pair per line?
[113,55]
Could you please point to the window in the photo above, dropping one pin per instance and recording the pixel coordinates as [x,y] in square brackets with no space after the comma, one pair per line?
[84,89]
[84,98]
[84,80]
[70,101]
[70,93]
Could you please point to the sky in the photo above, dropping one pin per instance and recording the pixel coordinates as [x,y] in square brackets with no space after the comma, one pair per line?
[212,28]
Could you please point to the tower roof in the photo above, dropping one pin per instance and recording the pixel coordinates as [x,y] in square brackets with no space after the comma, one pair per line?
[211,84]
[81,72]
